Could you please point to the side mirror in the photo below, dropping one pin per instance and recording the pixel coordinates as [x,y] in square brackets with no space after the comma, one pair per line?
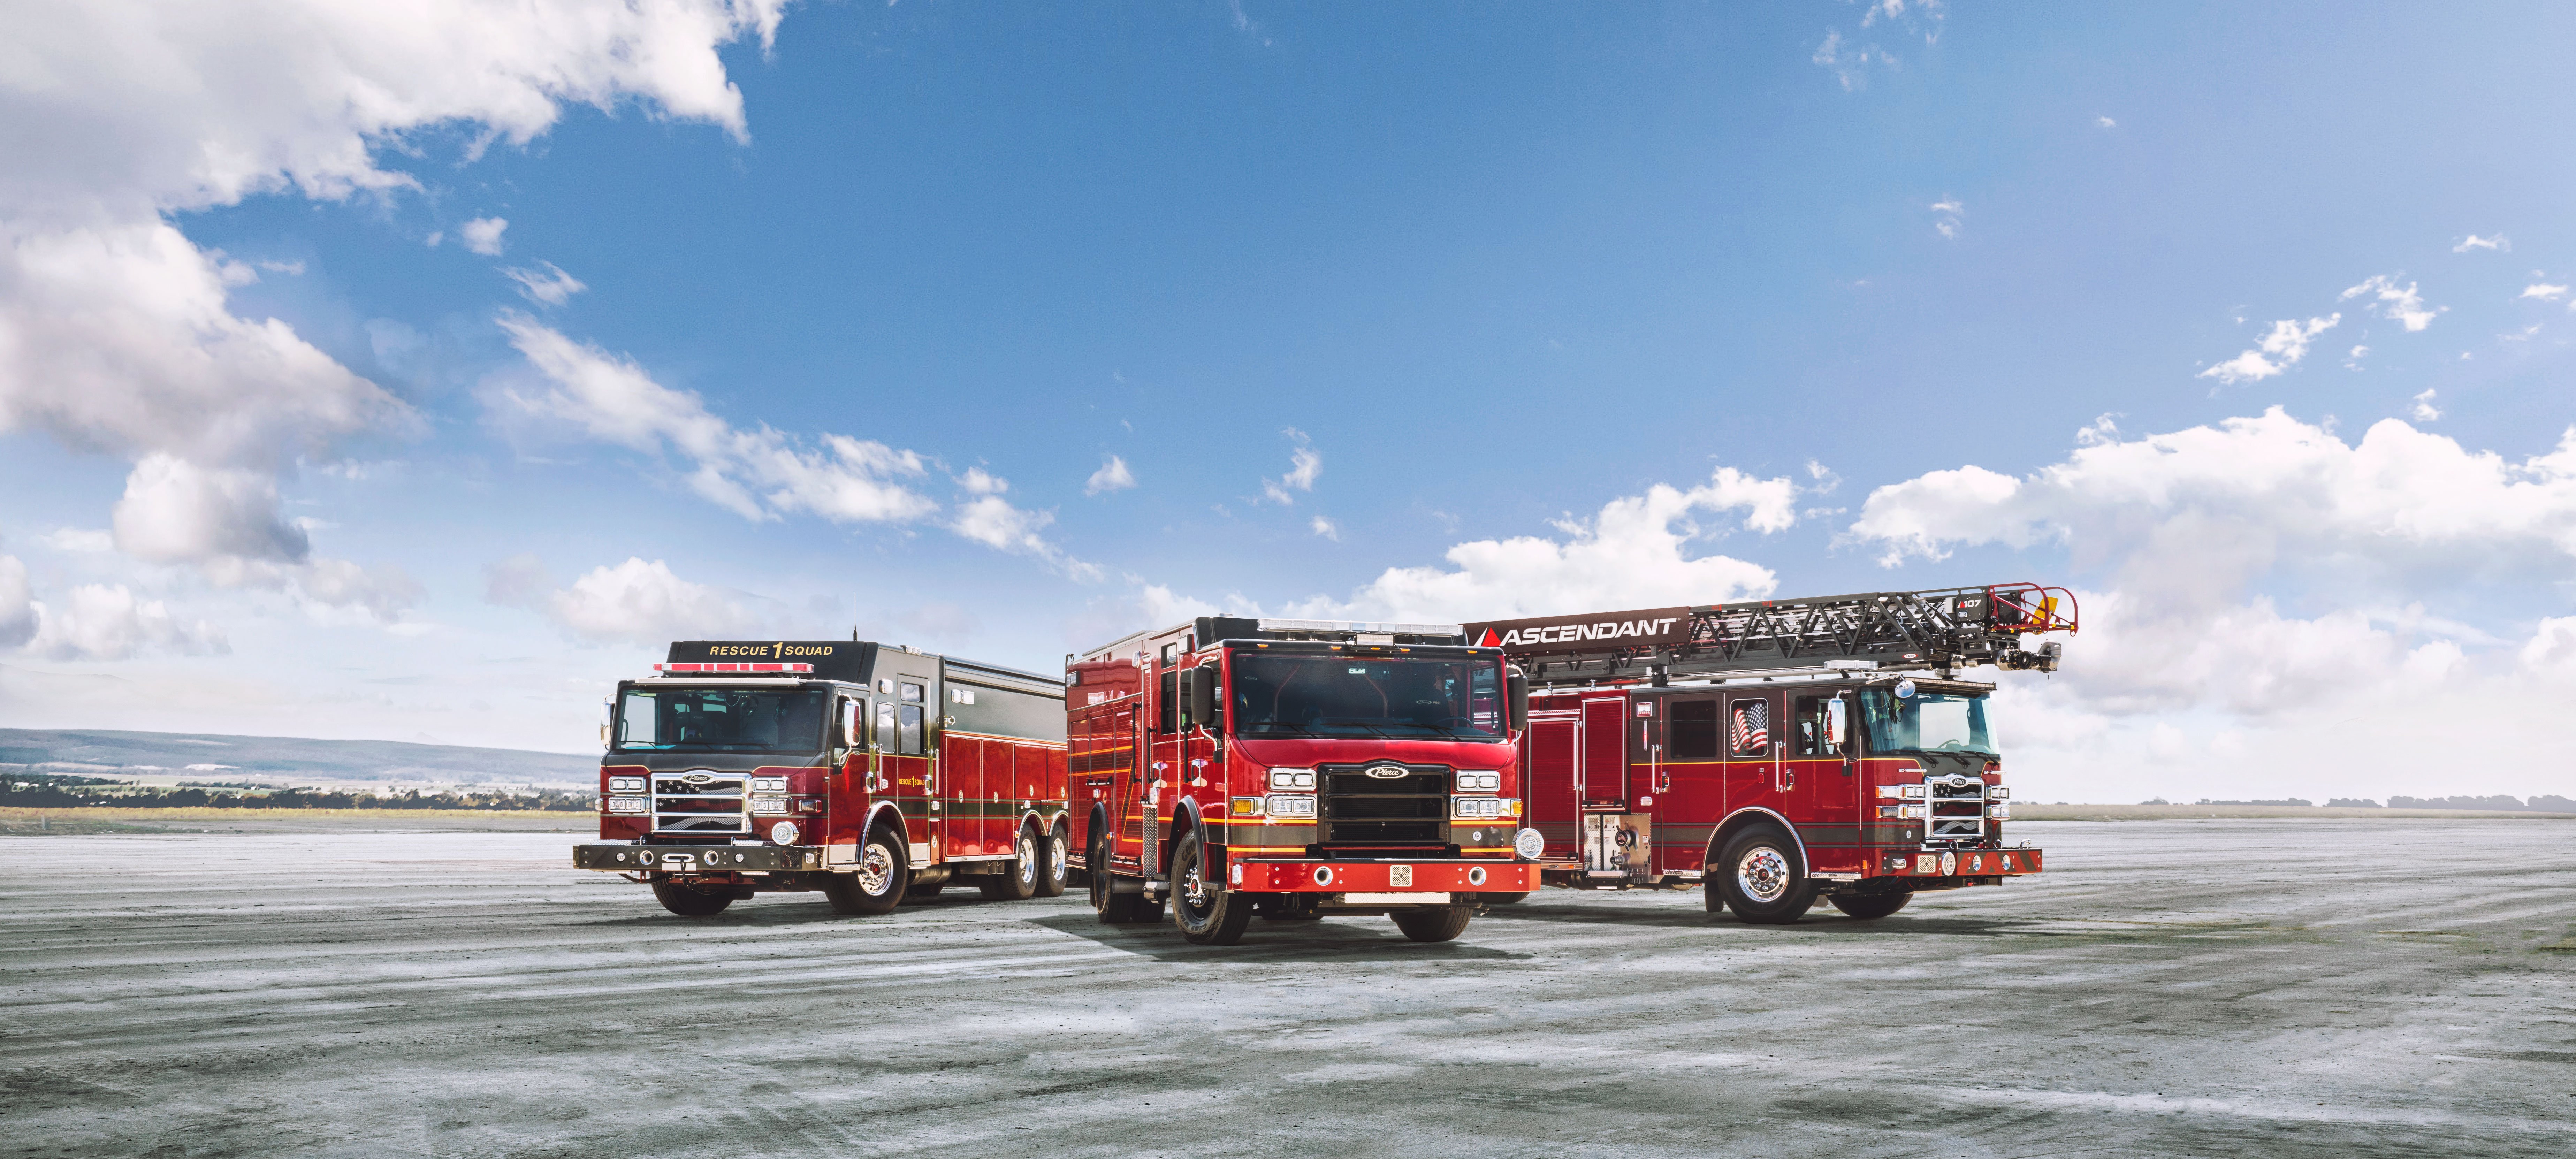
[1198,696]
[854,723]
[1838,724]
[1519,703]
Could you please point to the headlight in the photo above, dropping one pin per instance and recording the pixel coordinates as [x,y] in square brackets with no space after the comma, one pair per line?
[769,804]
[1999,812]
[784,833]
[1914,792]
[1292,779]
[1528,844]
[1914,812]
[626,784]
[1290,806]
[1479,782]
[626,804]
[1997,792]
[769,784]
[1484,808]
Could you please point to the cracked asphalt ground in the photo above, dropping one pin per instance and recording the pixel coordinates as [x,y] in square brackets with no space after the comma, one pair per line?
[2186,988]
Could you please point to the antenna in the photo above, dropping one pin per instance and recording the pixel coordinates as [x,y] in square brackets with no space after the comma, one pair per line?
[854,617]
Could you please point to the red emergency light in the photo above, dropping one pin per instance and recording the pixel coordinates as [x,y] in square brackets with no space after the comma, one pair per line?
[717,668]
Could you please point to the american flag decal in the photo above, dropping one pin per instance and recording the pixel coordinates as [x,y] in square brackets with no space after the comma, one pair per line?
[1752,726]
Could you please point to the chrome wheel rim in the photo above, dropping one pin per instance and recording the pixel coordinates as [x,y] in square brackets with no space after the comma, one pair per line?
[1762,874]
[1028,851]
[1194,889]
[876,870]
[1055,858]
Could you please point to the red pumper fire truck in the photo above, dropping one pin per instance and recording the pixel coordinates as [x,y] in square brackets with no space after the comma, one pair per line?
[863,770]
[1778,752]
[1297,768]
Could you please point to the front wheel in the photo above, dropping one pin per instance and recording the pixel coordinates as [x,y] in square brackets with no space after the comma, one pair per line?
[1206,913]
[1868,906]
[1760,877]
[878,885]
[1019,882]
[690,901]
[1433,923]
[1053,871]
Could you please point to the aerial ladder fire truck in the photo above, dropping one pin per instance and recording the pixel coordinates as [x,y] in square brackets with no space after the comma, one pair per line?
[1778,752]
[1293,769]
[865,771]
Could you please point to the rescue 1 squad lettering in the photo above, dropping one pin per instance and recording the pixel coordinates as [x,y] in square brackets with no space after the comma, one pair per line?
[779,651]
[1659,626]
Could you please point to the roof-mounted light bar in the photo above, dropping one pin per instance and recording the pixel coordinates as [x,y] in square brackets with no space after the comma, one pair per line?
[1357,626]
[712,669]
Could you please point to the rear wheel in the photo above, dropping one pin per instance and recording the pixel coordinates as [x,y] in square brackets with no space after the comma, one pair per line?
[690,901]
[1760,877]
[1870,905]
[879,883]
[1433,923]
[1019,880]
[1052,868]
[1206,913]
[1114,908]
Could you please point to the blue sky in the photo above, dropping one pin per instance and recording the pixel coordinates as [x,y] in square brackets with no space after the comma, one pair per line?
[1499,272]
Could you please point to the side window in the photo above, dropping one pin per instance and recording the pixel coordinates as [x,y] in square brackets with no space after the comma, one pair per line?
[635,721]
[1808,740]
[1167,704]
[908,721]
[885,723]
[1691,730]
[1748,728]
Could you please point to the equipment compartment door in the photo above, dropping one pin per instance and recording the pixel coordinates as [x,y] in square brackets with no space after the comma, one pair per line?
[1551,754]
[1605,752]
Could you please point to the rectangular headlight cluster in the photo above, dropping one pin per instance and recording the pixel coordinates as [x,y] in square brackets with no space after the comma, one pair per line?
[1476,782]
[1292,779]
[1905,812]
[1903,792]
[626,804]
[1484,808]
[769,784]
[769,805]
[626,784]
[1997,792]
[1290,806]
[1999,812]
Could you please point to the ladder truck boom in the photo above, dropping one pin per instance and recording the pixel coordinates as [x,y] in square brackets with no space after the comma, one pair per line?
[1938,629]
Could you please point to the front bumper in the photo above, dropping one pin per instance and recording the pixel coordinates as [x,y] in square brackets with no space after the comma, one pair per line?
[2019,862]
[622,857]
[1268,875]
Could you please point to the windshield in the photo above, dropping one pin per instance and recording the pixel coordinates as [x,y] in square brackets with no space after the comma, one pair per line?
[1366,696]
[1926,721]
[723,720]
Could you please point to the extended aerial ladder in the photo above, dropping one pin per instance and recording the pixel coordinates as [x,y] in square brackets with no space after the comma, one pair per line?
[1935,630]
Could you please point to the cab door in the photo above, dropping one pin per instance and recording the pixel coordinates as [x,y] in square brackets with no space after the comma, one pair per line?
[1756,775]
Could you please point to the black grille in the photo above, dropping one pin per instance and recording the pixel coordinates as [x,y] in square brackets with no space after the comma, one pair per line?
[1359,809]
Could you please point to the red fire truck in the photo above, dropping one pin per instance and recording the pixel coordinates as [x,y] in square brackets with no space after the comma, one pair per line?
[1294,769]
[1778,752]
[862,770]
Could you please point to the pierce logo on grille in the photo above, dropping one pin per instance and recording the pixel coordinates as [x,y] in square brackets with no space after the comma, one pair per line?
[697,778]
[1386,772]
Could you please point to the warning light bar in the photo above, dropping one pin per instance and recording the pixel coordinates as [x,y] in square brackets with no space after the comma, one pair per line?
[716,668]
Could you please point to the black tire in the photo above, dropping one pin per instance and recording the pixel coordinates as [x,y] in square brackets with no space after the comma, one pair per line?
[1433,923]
[1053,870]
[1019,880]
[1207,913]
[690,901]
[877,885]
[1114,908]
[1870,906]
[1761,879]
[1501,898]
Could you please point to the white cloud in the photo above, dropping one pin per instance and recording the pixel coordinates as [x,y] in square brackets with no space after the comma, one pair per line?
[1113,475]
[2474,242]
[99,622]
[116,332]
[2544,291]
[1850,65]
[2353,358]
[1636,552]
[19,616]
[1326,528]
[553,287]
[645,603]
[2424,410]
[2106,122]
[483,235]
[1305,464]
[78,539]
[2397,305]
[1951,211]
[2280,348]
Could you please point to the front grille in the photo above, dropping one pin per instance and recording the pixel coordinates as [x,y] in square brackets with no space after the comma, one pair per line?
[1358,809]
[1958,808]
[713,805]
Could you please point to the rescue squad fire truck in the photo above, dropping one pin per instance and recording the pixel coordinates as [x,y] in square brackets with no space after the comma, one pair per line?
[862,770]
[1297,768]
[1778,752]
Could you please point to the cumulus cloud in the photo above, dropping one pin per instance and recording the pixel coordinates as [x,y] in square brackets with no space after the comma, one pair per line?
[1325,527]
[483,235]
[117,333]
[2544,291]
[18,614]
[1305,464]
[95,622]
[2424,410]
[2280,348]
[2404,306]
[2474,242]
[549,287]
[1113,475]
[645,603]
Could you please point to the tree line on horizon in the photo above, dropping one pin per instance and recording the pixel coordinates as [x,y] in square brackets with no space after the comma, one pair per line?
[59,791]
[2546,803]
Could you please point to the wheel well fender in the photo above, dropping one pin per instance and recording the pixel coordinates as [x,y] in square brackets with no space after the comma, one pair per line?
[1745,818]
[1185,820]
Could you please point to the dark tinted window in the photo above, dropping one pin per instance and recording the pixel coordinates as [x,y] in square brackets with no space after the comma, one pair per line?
[1692,729]
[1809,738]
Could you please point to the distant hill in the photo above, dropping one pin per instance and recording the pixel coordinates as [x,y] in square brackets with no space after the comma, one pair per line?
[293,760]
